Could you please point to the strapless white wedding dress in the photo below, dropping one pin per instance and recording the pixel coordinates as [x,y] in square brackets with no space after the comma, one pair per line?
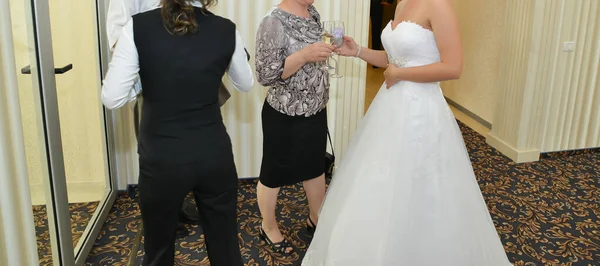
[405,192]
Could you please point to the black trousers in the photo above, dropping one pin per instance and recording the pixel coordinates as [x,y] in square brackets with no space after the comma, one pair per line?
[188,213]
[163,187]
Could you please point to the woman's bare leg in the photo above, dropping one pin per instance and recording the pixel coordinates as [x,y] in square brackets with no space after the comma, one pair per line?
[267,202]
[315,193]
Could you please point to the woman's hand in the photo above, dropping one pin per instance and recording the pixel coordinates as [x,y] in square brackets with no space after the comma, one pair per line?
[391,75]
[349,48]
[317,52]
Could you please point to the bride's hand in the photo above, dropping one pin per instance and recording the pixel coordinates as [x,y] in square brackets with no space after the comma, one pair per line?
[349,48]
[390,75]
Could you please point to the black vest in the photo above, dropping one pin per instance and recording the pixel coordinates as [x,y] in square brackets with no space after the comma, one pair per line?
[180,75]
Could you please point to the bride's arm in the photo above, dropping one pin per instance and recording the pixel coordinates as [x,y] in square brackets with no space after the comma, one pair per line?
[447,35]
[374,57]
[377,58]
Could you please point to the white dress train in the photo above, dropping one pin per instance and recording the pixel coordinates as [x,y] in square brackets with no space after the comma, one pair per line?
[405,192]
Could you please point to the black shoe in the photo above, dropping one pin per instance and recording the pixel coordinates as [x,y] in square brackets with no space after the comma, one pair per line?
[311,226]
[279,247]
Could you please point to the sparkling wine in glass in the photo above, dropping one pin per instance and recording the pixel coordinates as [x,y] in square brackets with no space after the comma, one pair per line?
[328,38]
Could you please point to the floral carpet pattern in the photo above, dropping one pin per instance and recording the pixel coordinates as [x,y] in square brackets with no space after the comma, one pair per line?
[546,213]
[81,213]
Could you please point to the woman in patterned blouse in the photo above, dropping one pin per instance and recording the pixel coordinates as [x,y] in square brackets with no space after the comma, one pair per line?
[294,119]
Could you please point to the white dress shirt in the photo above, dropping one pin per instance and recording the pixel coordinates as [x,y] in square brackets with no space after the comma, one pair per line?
[120,11]
[118,86]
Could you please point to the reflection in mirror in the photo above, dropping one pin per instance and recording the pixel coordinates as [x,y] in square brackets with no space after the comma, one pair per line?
[75,43]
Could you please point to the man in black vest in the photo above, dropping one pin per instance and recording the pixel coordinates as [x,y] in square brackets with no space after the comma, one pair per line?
[189,212]
[119,12]
[181,52]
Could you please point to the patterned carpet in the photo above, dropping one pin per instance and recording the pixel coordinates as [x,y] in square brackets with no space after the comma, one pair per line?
[81,213]
[546,212]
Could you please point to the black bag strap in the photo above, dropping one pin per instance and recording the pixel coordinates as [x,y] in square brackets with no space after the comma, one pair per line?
[136,119]
[330,142]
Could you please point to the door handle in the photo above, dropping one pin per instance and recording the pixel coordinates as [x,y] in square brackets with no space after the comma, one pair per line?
[27,69]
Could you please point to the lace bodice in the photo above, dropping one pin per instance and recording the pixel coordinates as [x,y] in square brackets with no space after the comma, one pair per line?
[409,44]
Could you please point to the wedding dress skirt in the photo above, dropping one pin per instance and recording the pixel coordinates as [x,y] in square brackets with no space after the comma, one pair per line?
[405,192]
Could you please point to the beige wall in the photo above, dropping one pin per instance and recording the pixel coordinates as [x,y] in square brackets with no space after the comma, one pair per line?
[481,25]
[74,41]
[516,76]
[572,79]
[548,99]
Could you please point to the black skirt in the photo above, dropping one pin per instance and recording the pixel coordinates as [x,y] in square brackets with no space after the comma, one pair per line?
[293,147]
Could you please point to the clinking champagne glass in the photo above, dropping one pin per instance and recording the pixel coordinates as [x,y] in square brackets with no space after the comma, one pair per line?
[337,30]
[327,37]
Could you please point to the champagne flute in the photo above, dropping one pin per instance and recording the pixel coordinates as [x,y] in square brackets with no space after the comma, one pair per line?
[337,29]
[328,38]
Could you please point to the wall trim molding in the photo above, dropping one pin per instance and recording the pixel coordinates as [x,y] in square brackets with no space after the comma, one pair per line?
[518,156]
[78,192]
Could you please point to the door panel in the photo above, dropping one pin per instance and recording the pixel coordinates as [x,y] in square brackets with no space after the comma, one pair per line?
[58,54]
[81,115]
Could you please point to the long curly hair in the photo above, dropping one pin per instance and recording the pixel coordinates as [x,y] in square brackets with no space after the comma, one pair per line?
[179,16]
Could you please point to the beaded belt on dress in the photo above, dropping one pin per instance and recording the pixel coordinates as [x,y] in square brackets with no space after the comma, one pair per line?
[400,61]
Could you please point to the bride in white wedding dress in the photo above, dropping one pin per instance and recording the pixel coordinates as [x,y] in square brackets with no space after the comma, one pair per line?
[405,192]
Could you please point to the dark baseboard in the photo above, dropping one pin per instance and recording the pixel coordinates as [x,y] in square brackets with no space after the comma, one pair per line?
[470,114]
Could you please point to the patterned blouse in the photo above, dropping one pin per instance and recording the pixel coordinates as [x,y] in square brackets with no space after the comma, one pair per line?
[281,34]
